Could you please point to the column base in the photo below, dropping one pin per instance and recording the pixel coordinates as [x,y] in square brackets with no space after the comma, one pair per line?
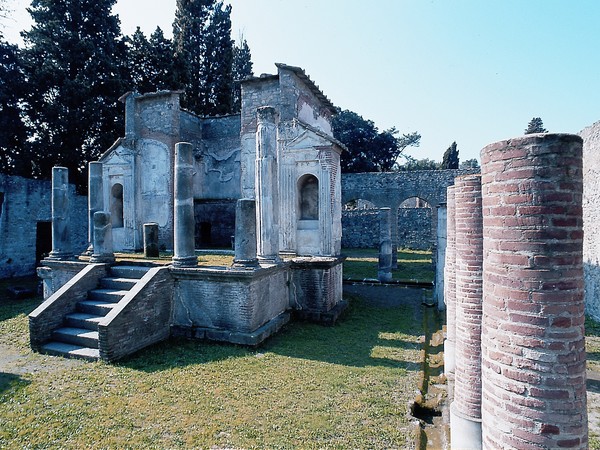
[102,259]
[384,276]
[465,432]
[245,263]
[59,256]
[184,261]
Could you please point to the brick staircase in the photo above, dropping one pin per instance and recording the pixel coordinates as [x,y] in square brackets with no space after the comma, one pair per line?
[78,336]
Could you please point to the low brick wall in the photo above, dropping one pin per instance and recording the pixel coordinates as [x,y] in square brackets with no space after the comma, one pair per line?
[50,314]
[239,301]
[141,318]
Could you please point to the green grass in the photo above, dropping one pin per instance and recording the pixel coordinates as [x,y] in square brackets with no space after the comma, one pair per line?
[346,386]
[413,265]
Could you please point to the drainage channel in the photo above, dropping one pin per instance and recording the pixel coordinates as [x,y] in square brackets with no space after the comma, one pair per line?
[429,405]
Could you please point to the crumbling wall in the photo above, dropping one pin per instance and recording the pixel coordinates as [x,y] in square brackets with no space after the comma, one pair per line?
[24,204]
[591,218]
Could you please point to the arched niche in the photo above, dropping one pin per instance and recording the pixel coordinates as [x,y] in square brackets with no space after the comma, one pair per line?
[308,195]
[308,241]
[415,224]
[116,205]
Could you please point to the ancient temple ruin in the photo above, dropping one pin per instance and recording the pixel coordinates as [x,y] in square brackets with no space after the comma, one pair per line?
[276,163]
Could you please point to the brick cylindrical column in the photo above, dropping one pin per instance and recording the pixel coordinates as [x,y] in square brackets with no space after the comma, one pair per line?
[61,219]
[384,271]
[450,284]
[533,355]
[183,220]
[465,411]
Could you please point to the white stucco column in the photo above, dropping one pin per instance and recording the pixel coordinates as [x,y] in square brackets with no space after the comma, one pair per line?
[61,234]
[184,255]
[95,199]
[267,186]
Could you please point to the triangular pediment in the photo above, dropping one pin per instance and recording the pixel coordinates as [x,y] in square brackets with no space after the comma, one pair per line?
[307,139]
[118,155]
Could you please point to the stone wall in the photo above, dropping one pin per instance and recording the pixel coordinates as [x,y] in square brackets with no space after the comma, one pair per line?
[25,224]
[360,228]
[215,223]
[591,218]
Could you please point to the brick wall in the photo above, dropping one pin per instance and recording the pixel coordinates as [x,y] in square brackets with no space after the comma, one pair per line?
[533,355]
[25,204]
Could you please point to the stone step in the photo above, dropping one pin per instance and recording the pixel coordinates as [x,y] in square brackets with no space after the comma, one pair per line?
[95,307]
[71,351]
[107,295]
[76,336]
[83,320]
[128,271]
[117,283]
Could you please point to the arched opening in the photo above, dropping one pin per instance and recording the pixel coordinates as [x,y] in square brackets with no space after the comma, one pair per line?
[308,187]
[358,204]
[116,205]
[415,224]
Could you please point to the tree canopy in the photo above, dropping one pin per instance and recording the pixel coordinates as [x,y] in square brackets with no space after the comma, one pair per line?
[73,62]
[536,125]
[59,94]
[369,150]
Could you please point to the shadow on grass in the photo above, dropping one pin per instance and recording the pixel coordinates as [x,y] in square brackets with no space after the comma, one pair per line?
[372,332]
[10,380]
[11,307]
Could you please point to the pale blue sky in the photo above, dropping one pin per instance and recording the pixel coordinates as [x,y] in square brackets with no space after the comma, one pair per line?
[470,71]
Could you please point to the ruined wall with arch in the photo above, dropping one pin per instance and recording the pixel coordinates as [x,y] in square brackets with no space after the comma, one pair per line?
[417,222]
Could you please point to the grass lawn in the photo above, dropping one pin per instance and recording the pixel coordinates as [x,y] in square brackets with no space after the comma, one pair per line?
[413,265]
[347,386]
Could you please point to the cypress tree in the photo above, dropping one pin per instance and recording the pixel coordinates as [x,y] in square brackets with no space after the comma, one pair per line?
[450,160]
[241,69]
[216,73]
[161,61]
[191,18]
[13,133]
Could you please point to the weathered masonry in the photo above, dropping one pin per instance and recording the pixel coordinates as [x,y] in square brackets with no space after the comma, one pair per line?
[25,224]
[591,218]
[285,163]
